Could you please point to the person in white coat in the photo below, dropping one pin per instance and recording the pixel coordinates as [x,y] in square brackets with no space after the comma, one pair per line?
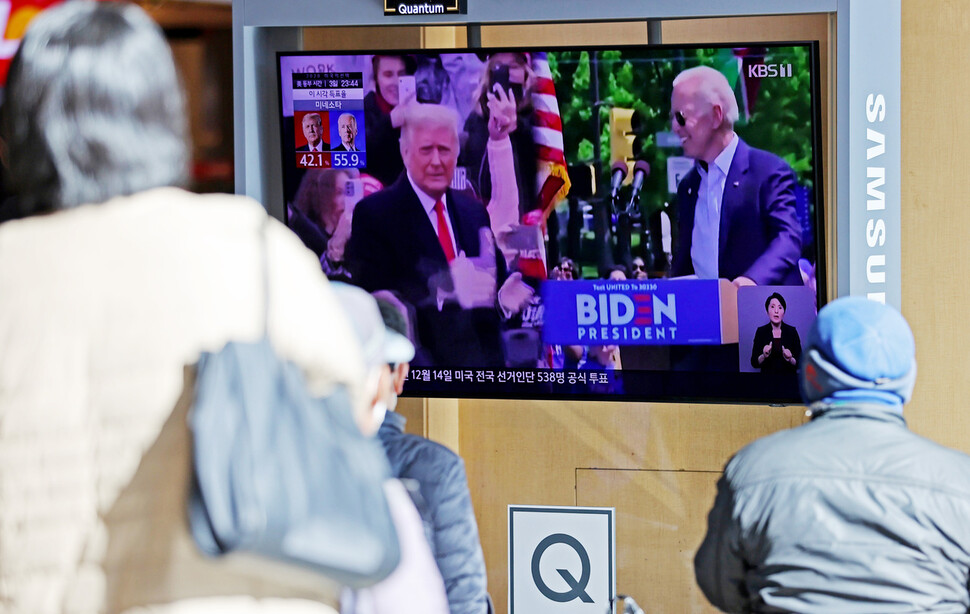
[111,284]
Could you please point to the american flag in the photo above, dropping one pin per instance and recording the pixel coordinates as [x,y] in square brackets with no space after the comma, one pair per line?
[552,179]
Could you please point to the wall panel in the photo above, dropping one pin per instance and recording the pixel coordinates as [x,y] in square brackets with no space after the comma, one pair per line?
[936,213]
[629,32]
[661,517]
[360,37]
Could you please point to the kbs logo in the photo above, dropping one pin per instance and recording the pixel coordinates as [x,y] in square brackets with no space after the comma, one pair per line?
[769,70]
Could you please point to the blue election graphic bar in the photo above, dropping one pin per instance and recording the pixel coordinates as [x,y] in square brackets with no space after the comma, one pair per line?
[349,159]
[632,312]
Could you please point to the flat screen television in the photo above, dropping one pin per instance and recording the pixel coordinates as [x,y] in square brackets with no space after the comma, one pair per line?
[602,234]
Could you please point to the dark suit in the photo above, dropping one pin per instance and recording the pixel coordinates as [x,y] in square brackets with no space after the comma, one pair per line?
[324,146]
[759,235]
[342,148]
[393,246]
[776,363]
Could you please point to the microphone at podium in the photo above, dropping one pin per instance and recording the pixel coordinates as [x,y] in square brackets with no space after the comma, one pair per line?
[641,170]
[617,175]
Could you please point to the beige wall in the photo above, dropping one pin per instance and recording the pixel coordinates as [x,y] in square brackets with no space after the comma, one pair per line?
[657,463]
[936,214]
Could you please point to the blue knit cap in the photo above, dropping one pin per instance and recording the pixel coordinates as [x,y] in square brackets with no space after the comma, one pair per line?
[859,345]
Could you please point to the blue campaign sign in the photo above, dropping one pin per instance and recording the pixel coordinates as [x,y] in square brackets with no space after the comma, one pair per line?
[632,312]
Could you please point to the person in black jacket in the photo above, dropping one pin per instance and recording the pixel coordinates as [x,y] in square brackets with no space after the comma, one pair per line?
[776,347]
[313,132]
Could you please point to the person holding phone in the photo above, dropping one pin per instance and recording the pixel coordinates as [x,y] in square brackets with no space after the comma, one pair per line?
[776,347]
[512,74]
[384,113]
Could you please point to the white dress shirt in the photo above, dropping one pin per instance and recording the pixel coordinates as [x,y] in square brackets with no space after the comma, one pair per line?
[705,236]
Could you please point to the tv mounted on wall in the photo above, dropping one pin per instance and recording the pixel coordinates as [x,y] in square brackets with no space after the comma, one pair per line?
[576,262]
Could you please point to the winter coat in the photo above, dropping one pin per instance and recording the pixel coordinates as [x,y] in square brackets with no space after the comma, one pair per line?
[849,513]
[415,586]
[440,474]
[103,311]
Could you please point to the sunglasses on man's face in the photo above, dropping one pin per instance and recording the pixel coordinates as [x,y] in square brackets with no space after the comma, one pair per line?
[678,117]
[639,267]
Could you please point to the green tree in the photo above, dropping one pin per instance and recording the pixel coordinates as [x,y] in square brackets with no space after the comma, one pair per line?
[640,78]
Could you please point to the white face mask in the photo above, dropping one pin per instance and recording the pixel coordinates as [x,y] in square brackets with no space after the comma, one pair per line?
[369,422]
[378,412]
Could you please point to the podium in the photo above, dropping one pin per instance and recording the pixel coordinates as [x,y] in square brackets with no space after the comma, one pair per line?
[657,312]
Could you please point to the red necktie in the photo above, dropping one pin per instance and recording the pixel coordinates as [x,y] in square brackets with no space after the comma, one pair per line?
[444,237]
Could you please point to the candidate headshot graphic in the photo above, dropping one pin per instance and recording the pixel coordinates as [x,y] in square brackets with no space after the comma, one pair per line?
[314,127]
[346,132]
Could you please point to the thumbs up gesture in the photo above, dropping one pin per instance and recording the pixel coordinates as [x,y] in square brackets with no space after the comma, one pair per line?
[475,277]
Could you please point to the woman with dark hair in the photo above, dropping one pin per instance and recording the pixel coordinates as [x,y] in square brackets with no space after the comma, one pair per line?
[71,134]
[113,281]
[566,269]
[776,347]
[321,200]
[384,110]
[514,72]
[617,272]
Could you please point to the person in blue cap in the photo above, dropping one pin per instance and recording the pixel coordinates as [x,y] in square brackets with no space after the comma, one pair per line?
[850,512]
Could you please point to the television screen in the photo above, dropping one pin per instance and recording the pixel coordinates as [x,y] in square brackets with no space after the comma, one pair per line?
[626,223]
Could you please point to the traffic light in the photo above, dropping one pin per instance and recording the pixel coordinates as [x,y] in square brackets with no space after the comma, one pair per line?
[624,126]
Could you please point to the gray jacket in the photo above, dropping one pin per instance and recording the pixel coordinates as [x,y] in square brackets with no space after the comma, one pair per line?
[440,474]
[849,513]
